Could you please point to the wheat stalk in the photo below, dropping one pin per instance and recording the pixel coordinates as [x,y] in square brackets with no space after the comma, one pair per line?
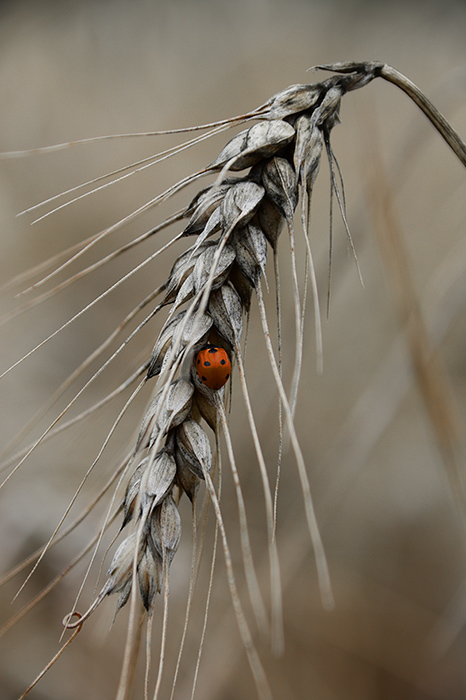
[234,221]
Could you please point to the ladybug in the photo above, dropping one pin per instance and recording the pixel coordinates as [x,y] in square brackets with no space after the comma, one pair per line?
[213,366]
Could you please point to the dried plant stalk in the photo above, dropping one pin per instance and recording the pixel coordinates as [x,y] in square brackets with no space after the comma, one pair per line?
[208,293]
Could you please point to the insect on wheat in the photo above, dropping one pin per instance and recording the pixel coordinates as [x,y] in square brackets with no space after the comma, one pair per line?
[257,182]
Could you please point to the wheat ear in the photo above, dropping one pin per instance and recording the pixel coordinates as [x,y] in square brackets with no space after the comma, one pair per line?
[209,291]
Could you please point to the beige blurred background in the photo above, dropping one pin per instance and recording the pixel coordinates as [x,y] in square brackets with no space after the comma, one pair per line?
[395,543]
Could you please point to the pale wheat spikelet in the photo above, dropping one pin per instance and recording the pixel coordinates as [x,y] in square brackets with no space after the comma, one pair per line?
[207,297]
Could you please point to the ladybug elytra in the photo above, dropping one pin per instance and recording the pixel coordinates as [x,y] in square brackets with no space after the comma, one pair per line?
[213,366]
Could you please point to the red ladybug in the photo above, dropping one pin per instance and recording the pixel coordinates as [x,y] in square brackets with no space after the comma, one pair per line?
[213,366]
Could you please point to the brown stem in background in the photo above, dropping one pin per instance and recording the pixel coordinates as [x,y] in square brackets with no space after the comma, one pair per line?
[426,362]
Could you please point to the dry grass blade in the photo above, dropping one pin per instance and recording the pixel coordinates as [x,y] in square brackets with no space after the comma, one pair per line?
[250,572]
[134,168]
[322,567]
[254,661]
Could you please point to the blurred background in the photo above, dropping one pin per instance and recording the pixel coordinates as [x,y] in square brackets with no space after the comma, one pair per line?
[377,441]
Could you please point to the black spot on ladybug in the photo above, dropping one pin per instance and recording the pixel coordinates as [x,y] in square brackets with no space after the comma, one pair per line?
[222,362]
[207,363]
[213,350]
